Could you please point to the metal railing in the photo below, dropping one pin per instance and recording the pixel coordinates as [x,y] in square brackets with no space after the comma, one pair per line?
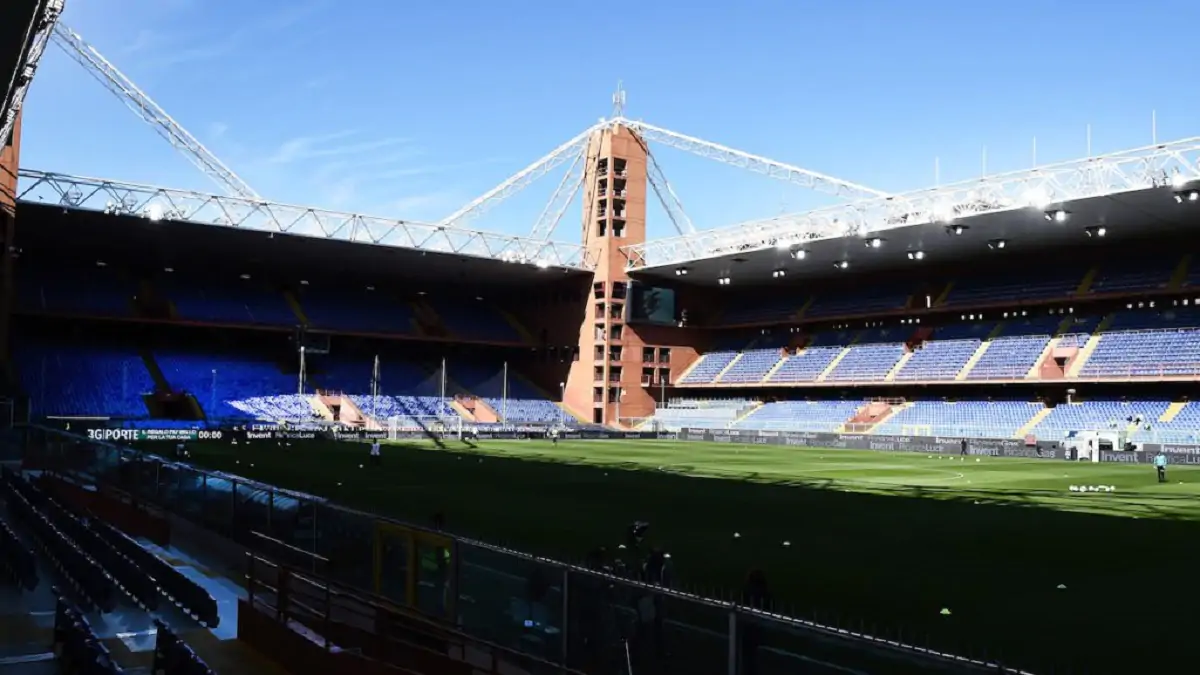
[560,613]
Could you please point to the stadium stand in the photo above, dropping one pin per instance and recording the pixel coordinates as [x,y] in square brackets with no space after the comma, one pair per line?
[243,301]
[944,356]
[474,321]
[72,380]
[217,380]
[871,357]
[522,403]
[1038,284]
[826,416]
[1115,415]
[70,289]
[975,419]
[702,413]
[1135,273]
[1016,350]
[810,362]
[356,310]
[1148,344]
[856,302]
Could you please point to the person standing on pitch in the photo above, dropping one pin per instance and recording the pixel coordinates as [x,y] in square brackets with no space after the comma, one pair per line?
[965,447]
[1160,464]
[376,459]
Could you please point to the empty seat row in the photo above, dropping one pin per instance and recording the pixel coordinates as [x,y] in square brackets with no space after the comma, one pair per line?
[92,584]
[172,583]
[78,650]
[172,656]
[16,560]
[128,576]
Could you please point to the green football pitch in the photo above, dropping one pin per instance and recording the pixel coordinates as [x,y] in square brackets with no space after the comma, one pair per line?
[1097,580]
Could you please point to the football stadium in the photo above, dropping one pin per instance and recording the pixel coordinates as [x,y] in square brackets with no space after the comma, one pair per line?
[947,431]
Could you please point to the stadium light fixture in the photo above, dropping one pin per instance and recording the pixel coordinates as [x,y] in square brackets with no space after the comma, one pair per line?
[916,255]
[1191,196]
[956,229]
[723,281]
[779,274]
[799,254]
[842,264]
[997,244]
[245,277]
[101,263]
[681,271]
[874,242]
[168,270]
[1057,215]
[370,288]
[304,282]
[1178,180]
[1095,231]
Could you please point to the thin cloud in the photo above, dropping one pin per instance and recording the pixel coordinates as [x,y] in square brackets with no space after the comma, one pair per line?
[419,206]
[217,130]
[330,146]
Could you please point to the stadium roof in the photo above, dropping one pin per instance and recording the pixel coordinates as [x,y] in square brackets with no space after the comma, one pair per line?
[1019,198]
[184,246]
[1108,220]
[23,35]
[171,207]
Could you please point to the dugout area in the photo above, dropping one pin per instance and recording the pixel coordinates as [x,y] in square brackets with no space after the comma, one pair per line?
[881,542]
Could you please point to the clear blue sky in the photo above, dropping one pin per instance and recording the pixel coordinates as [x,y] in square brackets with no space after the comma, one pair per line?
[409,109]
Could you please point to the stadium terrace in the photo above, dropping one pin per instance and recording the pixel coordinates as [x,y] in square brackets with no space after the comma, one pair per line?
[1014,345]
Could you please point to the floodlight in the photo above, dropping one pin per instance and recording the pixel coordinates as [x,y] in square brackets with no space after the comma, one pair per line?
[800,254]
[842,264]
[1095,231]
[997,244]
[916,255]
[779,273]
[1057,216]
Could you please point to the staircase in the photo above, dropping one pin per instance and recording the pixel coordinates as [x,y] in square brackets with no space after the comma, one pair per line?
[870,416]
[966,369]
[1033,422]
[519,327]
[427,321]
[891,376]
[807,303]
[717,379]
[688,371]
[833,364]
[1180,275]
[745,412]
[1093,342]
[156,373]
[1088,279]
[1035,372]
[1172,411]
[777,366]
[941,298]
[294,303]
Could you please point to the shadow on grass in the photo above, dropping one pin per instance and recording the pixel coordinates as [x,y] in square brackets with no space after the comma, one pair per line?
[1038,584]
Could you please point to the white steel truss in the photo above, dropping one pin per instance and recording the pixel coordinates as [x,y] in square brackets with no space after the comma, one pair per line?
[1162,165]
[34,45]
[563,195]
[650,133]
[150,112]
[520,180]
[767,167]
[165,204]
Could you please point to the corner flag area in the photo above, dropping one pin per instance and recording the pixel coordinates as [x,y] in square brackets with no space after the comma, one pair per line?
[886,543]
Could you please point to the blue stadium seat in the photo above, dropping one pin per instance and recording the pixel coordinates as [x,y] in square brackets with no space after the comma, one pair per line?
[872,357]
[67,380]
[815,416]
[942,357]
[1037,284]
[475,320]
[72,289]
[356,311]
[217,381]
[701,413]
[856,302]
[1148,344]
[1139,273]
[234,302]
[524,404]
[973,419]
[1095,416]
